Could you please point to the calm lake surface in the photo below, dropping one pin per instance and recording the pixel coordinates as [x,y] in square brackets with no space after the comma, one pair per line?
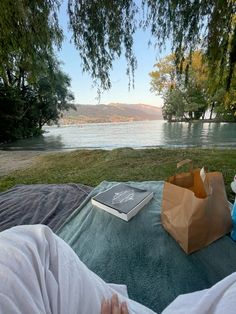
[139,134]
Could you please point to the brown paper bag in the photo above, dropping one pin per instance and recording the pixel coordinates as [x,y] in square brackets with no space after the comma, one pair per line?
[195,209]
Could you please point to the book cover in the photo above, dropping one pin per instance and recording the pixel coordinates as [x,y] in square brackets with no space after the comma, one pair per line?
[122,200]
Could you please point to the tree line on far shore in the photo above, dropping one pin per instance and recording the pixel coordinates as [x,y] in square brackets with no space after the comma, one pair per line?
[34,90]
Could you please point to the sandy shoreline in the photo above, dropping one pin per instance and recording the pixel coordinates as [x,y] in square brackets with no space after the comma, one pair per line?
[14,160]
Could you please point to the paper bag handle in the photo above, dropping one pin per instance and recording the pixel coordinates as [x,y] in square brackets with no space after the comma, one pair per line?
[185,179]
[185,162]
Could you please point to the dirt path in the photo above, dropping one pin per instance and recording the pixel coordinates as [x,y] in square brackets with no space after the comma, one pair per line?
[14,160]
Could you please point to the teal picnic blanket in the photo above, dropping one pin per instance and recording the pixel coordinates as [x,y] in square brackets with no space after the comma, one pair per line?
[141,254]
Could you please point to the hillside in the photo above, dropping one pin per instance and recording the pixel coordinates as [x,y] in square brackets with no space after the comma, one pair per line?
[113,112]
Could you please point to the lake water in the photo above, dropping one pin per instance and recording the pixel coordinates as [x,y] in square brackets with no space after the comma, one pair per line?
[139,134]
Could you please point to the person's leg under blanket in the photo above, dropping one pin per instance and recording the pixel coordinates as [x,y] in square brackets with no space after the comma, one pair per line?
[40,273]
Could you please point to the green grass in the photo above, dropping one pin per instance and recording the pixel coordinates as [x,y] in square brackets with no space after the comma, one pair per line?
[90,167]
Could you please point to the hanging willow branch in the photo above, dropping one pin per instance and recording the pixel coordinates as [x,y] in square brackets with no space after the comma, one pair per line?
[208,25]
[104,29]
[101,28]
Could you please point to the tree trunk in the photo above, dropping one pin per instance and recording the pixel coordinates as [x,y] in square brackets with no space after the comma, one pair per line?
[212,108]
[9,76]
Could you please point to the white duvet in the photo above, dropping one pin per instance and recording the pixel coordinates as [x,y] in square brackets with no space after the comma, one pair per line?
[40,273]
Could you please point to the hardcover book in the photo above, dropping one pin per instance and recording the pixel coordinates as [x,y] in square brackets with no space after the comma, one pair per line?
[122,200]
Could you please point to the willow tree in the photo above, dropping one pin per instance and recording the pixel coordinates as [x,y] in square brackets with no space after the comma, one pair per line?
[102,28]
[29,31]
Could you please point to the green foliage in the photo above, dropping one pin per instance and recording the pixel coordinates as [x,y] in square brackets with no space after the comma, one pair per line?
[164,78]
[25,109]
[11,109]
[53,96]
[190,99]
[33,89]
[102,28]
[174,105]
[28,26]
[181,100]
[188,104]
[209,25]
[29,30]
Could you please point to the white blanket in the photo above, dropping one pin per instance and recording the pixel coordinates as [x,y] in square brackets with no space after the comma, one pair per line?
[219,299]
[40,273]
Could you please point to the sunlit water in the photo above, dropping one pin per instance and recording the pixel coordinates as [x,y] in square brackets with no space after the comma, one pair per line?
[132,134]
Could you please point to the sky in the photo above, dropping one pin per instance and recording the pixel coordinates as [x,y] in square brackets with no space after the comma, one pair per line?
[81,83]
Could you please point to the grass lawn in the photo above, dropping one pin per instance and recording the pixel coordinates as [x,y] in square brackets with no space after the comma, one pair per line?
[90,167]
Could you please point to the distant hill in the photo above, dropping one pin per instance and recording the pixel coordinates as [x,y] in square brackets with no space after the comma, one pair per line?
[113,112]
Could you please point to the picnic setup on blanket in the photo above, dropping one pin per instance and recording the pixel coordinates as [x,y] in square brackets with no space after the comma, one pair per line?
[176,243]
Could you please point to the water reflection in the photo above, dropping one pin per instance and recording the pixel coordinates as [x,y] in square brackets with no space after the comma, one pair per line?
[199,134]
[43,142]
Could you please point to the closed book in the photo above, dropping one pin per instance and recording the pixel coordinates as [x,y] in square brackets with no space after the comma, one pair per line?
[122,200]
